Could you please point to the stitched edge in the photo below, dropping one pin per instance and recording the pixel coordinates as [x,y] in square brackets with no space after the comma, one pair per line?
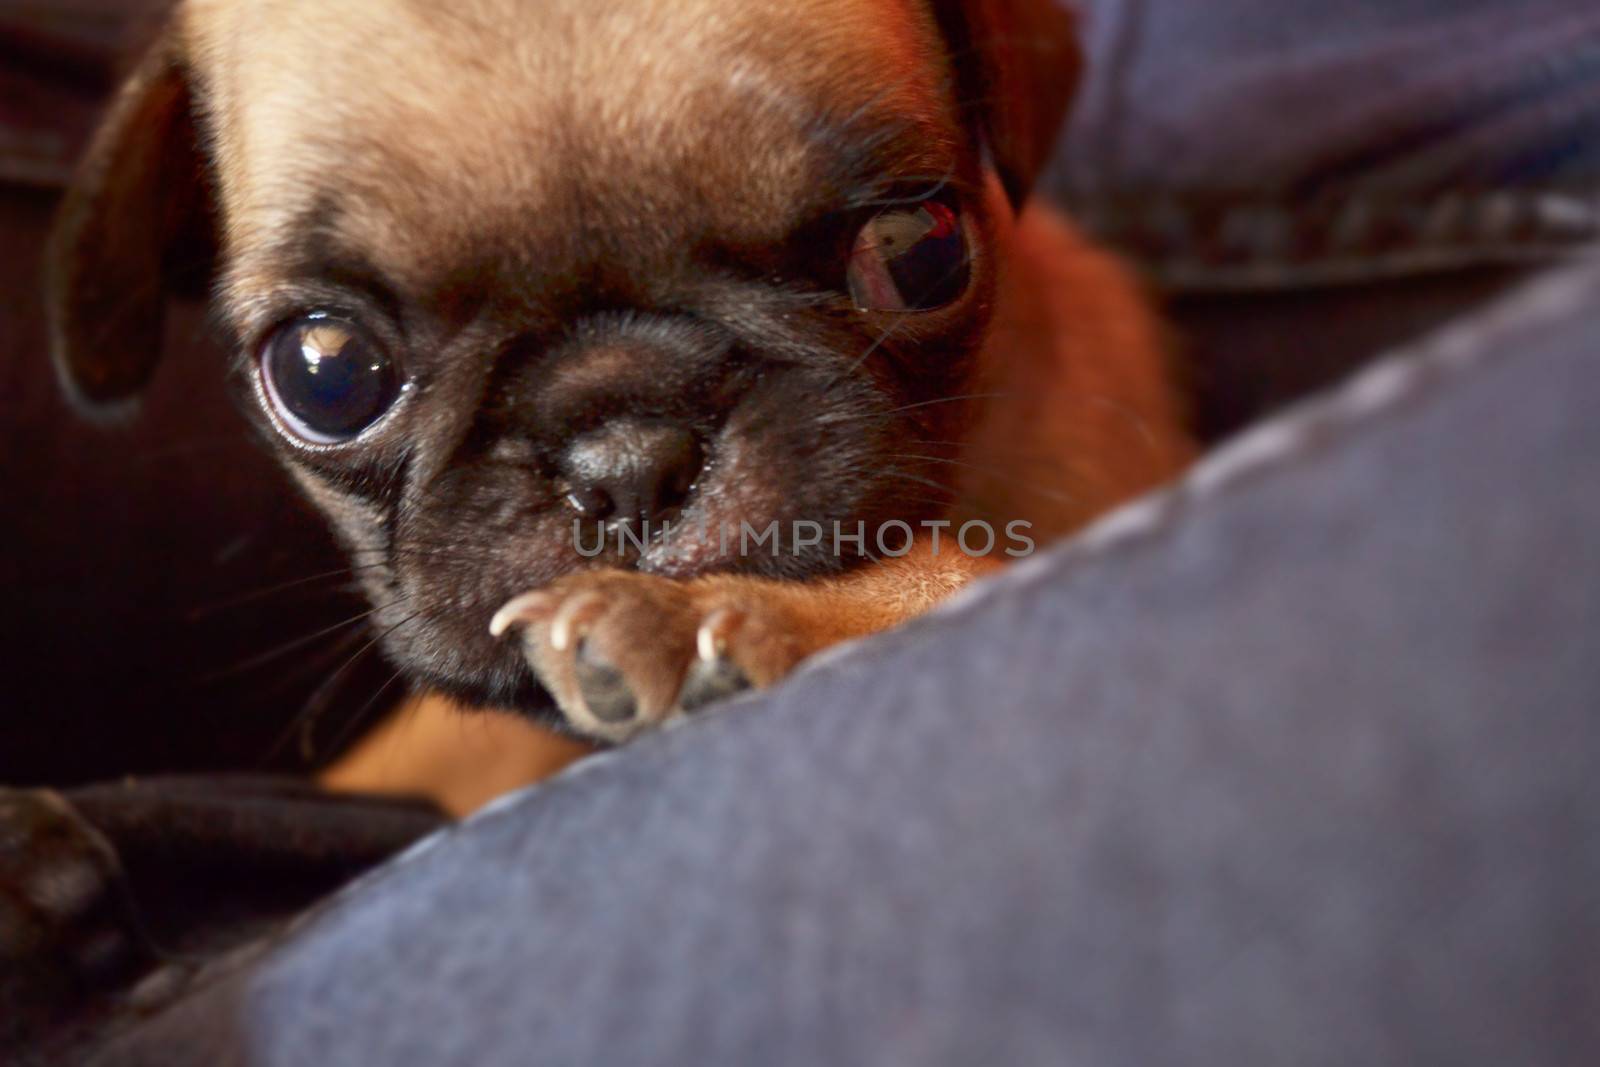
[166,988]
[1384,388]
[1253,242]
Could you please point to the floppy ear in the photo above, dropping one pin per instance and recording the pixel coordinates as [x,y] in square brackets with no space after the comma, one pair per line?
[1017,66]
[134,229]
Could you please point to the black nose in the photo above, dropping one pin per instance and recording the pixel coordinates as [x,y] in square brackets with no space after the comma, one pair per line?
[631,471]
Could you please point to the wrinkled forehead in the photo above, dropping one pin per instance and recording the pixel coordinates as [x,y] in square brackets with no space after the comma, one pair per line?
[422,126]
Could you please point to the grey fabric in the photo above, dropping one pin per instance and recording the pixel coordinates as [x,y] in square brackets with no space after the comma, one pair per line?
[1315,183]
[1252,143]
[1294,765]
[1297,766]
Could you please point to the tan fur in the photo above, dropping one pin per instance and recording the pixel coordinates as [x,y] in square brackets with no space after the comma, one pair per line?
[1082,417]
[458,759]
[1084,414]
[515,143]
[1079,416]
[275,77]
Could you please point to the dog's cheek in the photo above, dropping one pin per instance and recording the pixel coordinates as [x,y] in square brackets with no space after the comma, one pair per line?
[479,536]
[359,525]
[820,447]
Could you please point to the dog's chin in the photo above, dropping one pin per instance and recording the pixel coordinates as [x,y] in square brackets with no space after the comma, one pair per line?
[447,650]
[741,520]
[509,690]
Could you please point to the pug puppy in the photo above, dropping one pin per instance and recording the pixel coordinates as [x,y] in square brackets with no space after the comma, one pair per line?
[549,304]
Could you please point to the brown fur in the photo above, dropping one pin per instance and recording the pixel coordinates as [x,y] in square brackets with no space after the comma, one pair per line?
[500,170]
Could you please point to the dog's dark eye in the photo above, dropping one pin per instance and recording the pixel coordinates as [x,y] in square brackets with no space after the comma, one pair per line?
[910,260]
[328,379]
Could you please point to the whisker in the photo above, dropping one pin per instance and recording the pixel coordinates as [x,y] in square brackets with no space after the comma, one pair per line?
[424,553]
[881,415]
[1134,419]
[207,610]
[316,703]
[300,642]
[308,742]
[907,476]
[941,183]
[996,472]
[315,662]
[902,323]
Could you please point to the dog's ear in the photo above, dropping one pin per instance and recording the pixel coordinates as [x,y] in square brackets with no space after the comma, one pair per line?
[134,229]
[1017,65]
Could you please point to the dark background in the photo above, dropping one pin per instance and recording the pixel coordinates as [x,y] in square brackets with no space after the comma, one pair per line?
[136,560]
[173,605]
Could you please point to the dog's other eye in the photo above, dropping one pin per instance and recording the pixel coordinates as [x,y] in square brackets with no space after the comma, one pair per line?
[910,260]
[328,379]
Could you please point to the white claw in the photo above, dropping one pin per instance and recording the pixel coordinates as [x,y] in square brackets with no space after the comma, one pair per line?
[561,633]
[523,609]
[705,643]
[711,641]
[572,621]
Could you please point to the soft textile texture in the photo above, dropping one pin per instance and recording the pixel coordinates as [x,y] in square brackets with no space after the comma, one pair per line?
[1313,183]
[1299,770]
[1293,766]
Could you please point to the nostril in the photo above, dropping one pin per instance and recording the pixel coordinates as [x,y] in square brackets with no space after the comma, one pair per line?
[630,471]
[591,502]
[680,463]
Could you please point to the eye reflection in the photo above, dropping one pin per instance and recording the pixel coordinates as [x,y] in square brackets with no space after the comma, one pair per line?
[327,379]
[910,260]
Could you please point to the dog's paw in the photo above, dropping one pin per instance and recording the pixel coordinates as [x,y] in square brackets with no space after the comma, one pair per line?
[65,920]
[622,652]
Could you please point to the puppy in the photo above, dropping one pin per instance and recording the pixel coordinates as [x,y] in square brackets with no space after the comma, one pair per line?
[549,305]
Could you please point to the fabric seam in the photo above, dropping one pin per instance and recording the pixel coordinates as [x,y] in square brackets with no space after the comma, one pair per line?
[1385,388]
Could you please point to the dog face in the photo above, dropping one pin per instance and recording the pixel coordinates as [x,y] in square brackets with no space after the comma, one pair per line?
[508,279]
